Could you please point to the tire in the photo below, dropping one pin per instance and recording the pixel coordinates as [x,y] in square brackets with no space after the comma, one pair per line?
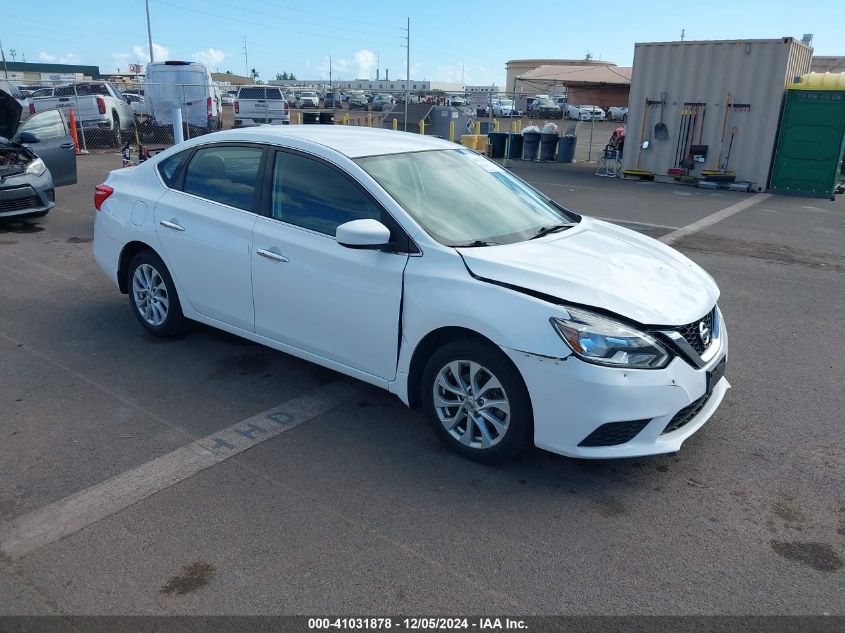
[116,135]
[146,269]
[460,426]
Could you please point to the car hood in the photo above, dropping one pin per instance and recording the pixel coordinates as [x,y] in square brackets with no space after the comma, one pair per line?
[10,114]
[605,266]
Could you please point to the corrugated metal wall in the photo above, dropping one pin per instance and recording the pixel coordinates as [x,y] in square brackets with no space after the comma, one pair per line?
[752,71]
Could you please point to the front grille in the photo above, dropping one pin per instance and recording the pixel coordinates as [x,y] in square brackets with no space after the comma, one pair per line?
[690,332]
[686,414]
[19,204]
[614,433]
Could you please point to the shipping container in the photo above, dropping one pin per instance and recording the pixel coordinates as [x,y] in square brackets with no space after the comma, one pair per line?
[720,102]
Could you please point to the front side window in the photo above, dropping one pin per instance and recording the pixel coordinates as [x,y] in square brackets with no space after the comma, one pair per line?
[224,174]
[45,125]
[462,199]
[312,195]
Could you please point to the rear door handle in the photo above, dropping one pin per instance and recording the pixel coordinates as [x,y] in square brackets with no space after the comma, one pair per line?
[172,225]
[276,257]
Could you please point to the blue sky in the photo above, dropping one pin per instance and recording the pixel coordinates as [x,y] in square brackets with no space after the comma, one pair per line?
[449,39]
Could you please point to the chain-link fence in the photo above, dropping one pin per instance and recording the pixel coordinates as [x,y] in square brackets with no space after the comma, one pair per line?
[146,115]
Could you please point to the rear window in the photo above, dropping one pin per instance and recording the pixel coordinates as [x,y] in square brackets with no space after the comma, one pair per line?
[260,93]
[83,90]
[169,167]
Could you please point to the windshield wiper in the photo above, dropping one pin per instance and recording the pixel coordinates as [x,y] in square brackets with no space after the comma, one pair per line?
[476,243]
[553,228]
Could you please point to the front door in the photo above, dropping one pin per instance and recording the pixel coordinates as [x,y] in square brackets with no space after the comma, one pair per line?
[55,145]
[313,294]
[205,230]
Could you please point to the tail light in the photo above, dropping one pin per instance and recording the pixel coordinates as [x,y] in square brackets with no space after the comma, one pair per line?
[101,193]
[32,108]
[208,104]
[101,105]
[237,109]
[287,107]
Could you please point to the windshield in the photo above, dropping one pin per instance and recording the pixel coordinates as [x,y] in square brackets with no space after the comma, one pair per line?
[462,199]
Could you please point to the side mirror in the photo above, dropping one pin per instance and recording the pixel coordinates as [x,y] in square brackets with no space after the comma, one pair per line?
[28,137]
[363,234]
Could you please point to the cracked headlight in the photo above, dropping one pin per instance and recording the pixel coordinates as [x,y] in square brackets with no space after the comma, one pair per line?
[604,341]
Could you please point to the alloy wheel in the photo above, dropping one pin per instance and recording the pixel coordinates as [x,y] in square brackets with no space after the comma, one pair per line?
[150,293]
[471,404]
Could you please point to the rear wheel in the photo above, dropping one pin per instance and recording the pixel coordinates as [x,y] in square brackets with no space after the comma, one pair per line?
[477,402]
[116,136]
[153,297]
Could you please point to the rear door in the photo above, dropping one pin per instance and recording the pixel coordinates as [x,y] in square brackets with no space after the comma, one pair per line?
[55,145]
[205,228]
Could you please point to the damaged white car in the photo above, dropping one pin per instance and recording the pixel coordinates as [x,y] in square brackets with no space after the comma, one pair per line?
[35,158]
[427,270]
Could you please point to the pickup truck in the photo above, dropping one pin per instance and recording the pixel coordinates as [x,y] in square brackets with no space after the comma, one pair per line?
[98,107]
[256,105]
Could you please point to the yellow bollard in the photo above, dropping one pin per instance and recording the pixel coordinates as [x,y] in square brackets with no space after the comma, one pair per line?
[369,120]
[395,124]
[477,127]
[346,119]
[422,127]
[495,125]
[299,118]
[452,131]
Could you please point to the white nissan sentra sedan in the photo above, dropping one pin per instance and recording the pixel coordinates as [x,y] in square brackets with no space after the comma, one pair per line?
[419,266]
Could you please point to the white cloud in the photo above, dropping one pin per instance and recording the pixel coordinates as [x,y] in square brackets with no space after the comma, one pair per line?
[211,57]
[142,54]
[67,58]
[365,60]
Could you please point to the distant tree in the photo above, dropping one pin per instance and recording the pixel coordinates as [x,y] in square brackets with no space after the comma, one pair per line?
[292,77]
[253,74]
[228,72]
[281,76]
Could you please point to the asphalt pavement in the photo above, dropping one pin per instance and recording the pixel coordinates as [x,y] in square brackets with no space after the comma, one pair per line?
[357,509]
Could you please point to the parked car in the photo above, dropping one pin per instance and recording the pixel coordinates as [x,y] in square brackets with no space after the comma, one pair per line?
[505,108]
[456,101]
[98,107]
[309,100]
[544,109]
[618,113]
[187,86]
[509,319]
[382,102]
[585,113]
[35,157]
[228,97]
[256,105]
[358,102]
[136,102]
[331,101]
[39,93]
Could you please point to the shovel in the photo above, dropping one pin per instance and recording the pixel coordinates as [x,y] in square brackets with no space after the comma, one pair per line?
[661,132]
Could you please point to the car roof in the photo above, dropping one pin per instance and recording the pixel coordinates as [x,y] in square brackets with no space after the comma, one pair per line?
[350,141]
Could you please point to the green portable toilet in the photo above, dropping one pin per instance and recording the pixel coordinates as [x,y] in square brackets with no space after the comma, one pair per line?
[811,139]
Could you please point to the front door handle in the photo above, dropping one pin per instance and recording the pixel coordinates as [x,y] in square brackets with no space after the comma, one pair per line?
[172,225]
[68,146]
[276,257]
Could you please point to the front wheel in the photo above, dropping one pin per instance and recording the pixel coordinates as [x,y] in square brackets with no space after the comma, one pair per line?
[477,402]
[153,297]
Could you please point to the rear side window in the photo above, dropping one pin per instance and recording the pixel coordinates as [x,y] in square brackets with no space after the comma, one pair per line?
[224,174]
[169,168]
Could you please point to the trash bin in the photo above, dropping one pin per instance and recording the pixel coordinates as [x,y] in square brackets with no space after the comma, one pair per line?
[548,145]
[498,141]
[515,147]
[566,149]
[327,118]
[310,117]
[530,145]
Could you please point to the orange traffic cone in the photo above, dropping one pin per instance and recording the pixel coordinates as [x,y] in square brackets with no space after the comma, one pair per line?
[72,125]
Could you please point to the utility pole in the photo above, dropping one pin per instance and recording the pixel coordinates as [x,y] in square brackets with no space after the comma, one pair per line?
[682,34]
[13,52]
[407,70]
[149,32]
[3,55]
[331,85]
[246,59]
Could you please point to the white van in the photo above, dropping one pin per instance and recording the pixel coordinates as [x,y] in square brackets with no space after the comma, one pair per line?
[186,85]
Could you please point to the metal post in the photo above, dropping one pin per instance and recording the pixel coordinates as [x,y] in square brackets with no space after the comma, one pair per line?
[149,32]
[176,114]
[3,55]
[590,148]
[452,130]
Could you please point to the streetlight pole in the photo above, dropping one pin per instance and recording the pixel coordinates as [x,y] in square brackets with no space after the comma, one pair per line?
[149,31]
[3,55]
[407,73]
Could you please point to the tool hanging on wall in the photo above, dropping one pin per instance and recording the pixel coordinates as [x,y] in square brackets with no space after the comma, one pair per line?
[661,132]
[688,155]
